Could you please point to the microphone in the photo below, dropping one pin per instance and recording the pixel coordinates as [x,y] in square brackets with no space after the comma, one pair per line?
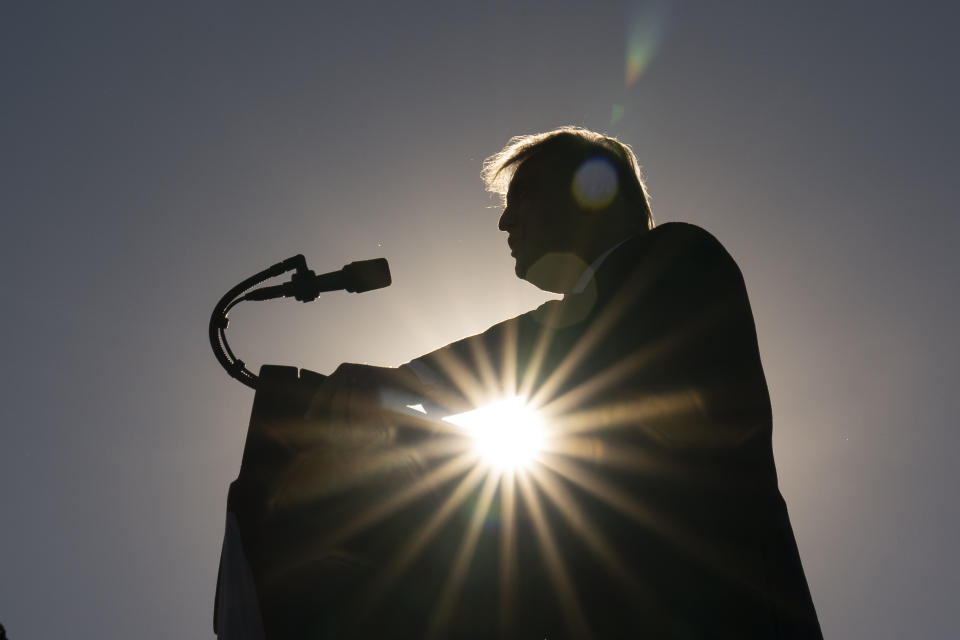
[305,285]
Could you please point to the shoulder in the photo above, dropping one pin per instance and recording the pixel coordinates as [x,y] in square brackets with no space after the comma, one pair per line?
[675,267]
[687,246]
[682,235]
[673,250]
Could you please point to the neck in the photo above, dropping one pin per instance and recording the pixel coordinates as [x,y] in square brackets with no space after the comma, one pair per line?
[597,242]
[561,271]
[556,272]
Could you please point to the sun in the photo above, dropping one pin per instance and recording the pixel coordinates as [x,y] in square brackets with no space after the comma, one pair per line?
[508,434]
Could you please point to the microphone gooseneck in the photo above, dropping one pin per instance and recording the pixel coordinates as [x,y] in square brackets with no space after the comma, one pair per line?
[304,285]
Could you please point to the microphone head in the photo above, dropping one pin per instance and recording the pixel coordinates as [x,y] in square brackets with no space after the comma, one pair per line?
[367,275]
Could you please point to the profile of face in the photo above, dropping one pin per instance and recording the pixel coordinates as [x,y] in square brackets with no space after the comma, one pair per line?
[542,228]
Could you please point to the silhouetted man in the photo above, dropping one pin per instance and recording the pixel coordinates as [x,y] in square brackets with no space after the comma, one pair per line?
[653,509]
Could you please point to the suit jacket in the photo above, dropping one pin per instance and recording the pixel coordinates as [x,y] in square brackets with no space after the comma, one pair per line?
[652,382]
[653,511]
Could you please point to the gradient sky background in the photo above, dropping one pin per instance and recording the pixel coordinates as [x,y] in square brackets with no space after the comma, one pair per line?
[154,154]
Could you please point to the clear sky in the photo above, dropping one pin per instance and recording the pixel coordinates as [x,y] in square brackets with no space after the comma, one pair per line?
[154,154]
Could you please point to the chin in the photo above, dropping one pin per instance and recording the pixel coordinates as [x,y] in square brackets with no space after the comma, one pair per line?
[520,268]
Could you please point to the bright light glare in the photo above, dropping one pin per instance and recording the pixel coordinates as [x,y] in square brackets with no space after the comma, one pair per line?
[507,434]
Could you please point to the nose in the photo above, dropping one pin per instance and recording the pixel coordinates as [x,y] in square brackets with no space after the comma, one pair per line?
[506,220]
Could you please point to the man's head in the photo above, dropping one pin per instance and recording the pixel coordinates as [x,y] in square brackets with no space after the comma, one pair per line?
[569,194]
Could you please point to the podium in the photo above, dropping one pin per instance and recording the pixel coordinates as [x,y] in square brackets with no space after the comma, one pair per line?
[281,577]
[249,602]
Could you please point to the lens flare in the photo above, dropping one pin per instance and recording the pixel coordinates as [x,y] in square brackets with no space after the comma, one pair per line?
[645,34]
[507,434]
[595,184]
[616,113]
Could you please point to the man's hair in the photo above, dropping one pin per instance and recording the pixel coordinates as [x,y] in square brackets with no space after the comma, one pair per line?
[571,147]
